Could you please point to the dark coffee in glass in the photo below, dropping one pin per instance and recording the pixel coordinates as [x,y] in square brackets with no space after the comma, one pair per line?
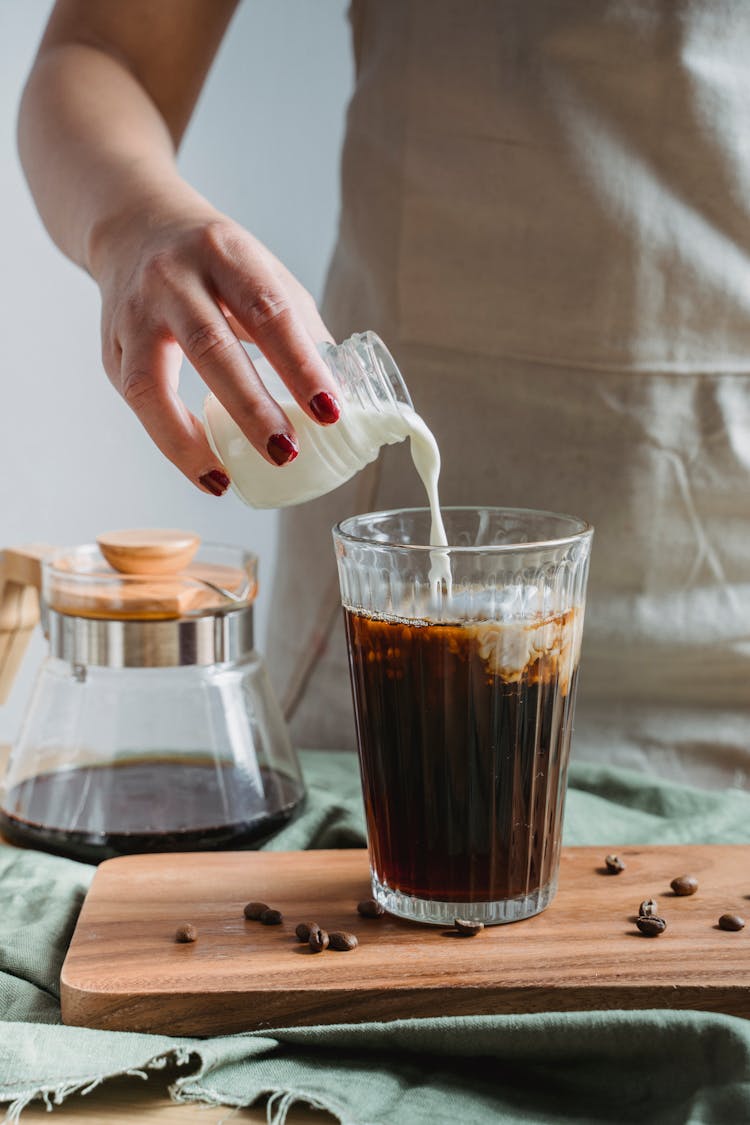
[463,769]
[464,707]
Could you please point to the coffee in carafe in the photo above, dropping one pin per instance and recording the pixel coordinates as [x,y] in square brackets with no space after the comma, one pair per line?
[152,726]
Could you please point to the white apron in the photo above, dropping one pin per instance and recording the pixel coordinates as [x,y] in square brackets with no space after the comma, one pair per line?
[546,216]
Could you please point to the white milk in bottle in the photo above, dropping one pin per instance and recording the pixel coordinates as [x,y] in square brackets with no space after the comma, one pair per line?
[376,410]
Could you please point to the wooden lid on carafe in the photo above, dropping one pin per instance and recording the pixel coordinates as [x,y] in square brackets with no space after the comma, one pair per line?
[149,574]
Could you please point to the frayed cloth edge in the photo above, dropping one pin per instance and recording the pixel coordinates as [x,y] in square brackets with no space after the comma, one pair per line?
[56,1095]
[280,1100]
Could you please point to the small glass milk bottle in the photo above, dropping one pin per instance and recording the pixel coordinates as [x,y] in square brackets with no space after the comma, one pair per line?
[376,410]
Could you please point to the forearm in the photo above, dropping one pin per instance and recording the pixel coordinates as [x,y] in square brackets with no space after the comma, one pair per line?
[107,101]
[93,145]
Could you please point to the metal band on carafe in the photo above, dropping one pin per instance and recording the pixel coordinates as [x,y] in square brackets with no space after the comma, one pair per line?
[212,639]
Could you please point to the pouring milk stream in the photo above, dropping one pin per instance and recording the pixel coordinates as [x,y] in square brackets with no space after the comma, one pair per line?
[375,411]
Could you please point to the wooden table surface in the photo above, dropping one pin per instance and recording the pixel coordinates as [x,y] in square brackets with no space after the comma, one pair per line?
[120,1101]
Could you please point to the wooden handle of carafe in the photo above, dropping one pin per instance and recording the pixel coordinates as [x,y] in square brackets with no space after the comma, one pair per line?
[20,583]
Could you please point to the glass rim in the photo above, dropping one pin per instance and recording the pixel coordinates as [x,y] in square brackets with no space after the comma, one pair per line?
[584,530]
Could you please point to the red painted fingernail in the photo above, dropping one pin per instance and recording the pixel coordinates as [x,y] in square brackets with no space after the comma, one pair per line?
[282,449]
[325,408]
[215,481]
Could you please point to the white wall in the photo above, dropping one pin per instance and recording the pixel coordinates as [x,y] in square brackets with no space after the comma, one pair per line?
[264,147]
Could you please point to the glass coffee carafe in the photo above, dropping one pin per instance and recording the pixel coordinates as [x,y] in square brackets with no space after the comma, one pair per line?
[152,725]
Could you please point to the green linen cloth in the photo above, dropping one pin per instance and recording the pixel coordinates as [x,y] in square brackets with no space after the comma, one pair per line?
[667,1067]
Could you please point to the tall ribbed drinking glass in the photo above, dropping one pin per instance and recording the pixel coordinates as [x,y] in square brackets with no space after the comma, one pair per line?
[463,697]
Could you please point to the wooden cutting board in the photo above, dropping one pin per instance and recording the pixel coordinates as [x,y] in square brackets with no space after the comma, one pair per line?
[124,970]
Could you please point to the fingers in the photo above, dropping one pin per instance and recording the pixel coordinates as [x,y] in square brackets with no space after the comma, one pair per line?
[279,316]
[149,370]
[185,294]
[209,343]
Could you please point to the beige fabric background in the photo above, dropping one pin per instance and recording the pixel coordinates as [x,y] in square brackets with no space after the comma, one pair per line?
[545,216]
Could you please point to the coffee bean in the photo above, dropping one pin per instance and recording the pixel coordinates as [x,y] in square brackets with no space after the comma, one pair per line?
[648,908]
[186,933]
[270,917]
[684,885]
[651,926]
[614,864]
[370,908]
[253,910]
[304,930]
[467,928]
[342,942]
[318,940]
[731,922]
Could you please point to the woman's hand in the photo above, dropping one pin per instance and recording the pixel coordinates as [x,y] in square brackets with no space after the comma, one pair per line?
[100,121]
[178,278]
